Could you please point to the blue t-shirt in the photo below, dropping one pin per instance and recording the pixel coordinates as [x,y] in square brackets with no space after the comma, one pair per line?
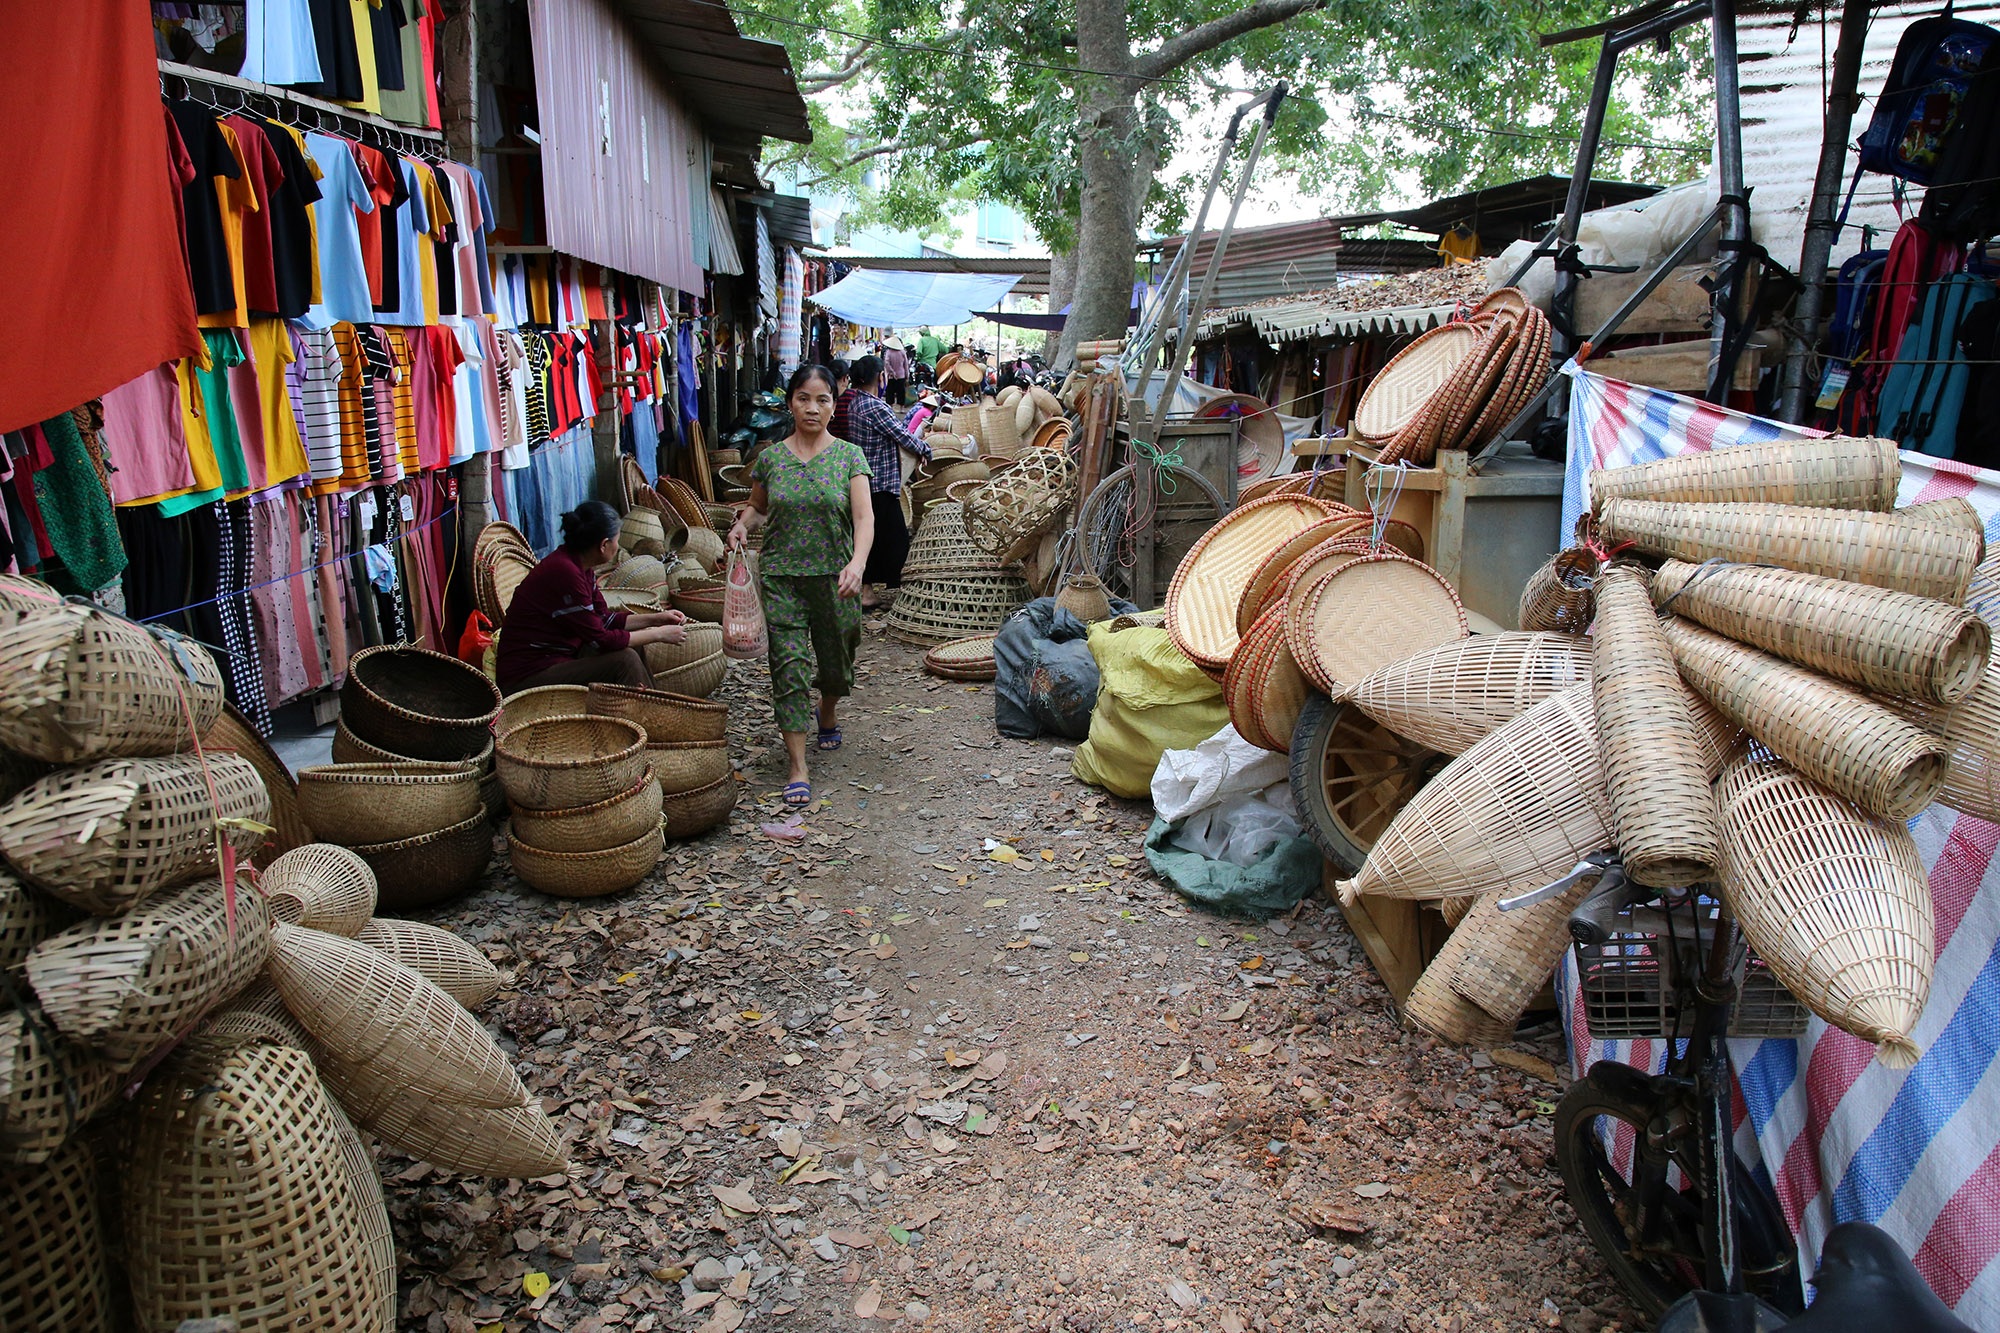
[343,279]
[278,43]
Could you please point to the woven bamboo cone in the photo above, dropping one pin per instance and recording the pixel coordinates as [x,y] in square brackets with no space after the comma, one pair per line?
[1834,734]
[1954,511]
[1528,800]
[1885,641]
[1661,808]
[1883,550]
[1836,902]
[1837,472]
[1451,696]
[1509,955]
[1970,730]
[1441,1011]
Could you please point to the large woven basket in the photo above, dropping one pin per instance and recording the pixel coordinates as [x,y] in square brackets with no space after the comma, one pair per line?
[703,604]
[540,702]
[322,886]
[941,546]
[78,684]
[561,762]
[936,609]
[1448,698]
[416,872]
[612,822]
[370,803]
[1662,810]
[236,1197]
[689,814]
[927,486]
[970,659]
[49,1088]
[424,704]
[1209,583]
[1835,901]
[695,680]
[122,986]
[389,1023]
[1022,501]
[1883,550]
[513,1142]
[1970,730]
[682,766]
[27,917]
[591,874]
[351,749]
[1838,472]
[1370,612]
[1832,733]
[702,546]
[378,1234]
[1508,956]
[702,642]
[49,1219]
[645,532]
[662,715]
[1561,596]
[1441,1011]
[106,835]
[452,965]
[634,573]
[1881,640]
[289,829]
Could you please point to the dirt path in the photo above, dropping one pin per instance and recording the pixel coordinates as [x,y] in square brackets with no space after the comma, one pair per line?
[953,1058]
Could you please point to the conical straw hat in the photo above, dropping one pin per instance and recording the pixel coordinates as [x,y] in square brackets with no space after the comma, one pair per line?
[1838,472]
[1450,697]
[1836,902]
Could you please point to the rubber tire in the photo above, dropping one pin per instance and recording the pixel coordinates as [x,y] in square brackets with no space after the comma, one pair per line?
[1317,721]
[1579,1108]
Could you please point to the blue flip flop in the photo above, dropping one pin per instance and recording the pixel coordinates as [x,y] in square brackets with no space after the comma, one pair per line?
[828,739]
[798,795]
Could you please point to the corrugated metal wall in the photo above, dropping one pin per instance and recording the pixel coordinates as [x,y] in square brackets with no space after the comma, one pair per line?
[617,147]
[1784,111]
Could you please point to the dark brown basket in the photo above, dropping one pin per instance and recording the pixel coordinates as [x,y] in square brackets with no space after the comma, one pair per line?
[422,704]
[49,1216]
[417,872]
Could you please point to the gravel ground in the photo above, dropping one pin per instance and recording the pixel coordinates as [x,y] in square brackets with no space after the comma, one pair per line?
[943,1053]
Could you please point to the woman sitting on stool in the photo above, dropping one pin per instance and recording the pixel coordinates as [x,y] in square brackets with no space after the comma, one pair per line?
[560,631]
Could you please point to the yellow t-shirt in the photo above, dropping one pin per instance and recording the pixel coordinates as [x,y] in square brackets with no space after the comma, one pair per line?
[237,197]
[270,346]
[364,47]
[194,419]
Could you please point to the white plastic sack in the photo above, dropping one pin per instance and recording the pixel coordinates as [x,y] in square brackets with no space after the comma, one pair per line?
[1242,829]
[1221,767]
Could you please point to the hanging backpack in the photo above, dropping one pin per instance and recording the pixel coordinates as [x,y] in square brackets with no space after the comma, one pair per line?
[1923,394]
[1935,66]
[1916,259]
[1855,288]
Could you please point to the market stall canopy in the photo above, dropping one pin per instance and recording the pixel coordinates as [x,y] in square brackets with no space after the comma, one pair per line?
[896,299]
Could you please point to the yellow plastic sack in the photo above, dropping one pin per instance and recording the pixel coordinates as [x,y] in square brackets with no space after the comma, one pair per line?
[1150,699]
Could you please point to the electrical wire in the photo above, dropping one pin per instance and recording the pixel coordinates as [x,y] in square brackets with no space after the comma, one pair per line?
[1450,127]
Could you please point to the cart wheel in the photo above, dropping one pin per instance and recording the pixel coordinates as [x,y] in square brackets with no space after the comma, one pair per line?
[1350,777]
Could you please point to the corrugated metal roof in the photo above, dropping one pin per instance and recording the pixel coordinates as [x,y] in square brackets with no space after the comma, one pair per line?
[1505,213]
[1034,272]
[742,87]
[1298,321]
[791,218]
[723,255]
[1784,118]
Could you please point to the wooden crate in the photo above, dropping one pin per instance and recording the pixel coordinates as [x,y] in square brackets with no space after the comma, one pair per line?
[1399,936]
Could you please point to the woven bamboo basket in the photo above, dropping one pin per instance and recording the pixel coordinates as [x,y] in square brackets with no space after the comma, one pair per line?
[645,532]
[122,986]
[562,762]
[720,517]
[1970,730]
[702,546]
[17,771]
[18,592]
[1021,502]
[427,705]
[540,702]
[1370,612]
[78,684]
[452,965]
[697,679]
[232,731]
[1832,733]
[639,573]
[49,1088]
[1529,799]
[1450,697]
[1885,641]
[1662,810]
[389,1024]
[968,659]
[512,1143]
[237,1199]
[322,886]
[937,609]
[629,600]
[689,814]
[1561,596]
[698,603]
[370,803]
[702,643]
[999,431]
[107,835]
[663,716]
[1441,1011]
[1273,573]
[416,872]
[1882,550]
[683,766]
[1084,597]
[1953,511]
[378,1236]
[1202,600]
[592,874]
[1838,472]
[49,1213]
[1509,955]
[941,546]
[501,559]
[682,499]
[27,917]
[1835,901]
[928,483]
[590,828]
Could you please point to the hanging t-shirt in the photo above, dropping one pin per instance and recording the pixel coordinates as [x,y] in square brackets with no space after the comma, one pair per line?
[370,97]
[386,20]
[284,457]
[474,282]
[445,244]
[469,430]
[439,356]
[289,211]
[320,372]
[247,222]
[145,438]
[339,58]
[381,183]
[403,356]
[406,102]
[209,149]
[224,353]
[343,279]
[437,215]
[395,225]
[278,42]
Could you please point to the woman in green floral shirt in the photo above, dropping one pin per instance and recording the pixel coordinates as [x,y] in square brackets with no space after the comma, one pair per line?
[809,492]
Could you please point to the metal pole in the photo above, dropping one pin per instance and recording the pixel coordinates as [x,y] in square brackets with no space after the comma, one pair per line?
[1842,102]
[1736,208]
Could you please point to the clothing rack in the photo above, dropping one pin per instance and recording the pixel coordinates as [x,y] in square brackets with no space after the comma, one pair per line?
[226,92]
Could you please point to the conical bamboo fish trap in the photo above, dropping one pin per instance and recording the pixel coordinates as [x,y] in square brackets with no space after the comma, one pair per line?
[1202,599]
[1837,472]
[1882,550]
[49,1088]
[1970,730]
[320,885]
[451,964]
[1509,955]
[1528,800]
[1662,810]
[1438,1009]
[1954,511]
[1832,733]
[1450,697]
[510,1143]
[1881,640]
[1835,901]
[1561,595]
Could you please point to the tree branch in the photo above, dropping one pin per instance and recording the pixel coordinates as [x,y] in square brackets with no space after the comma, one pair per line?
[852,65]
[1177,51]
[880,149]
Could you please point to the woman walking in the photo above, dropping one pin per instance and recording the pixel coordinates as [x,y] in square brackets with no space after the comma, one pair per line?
[810,496]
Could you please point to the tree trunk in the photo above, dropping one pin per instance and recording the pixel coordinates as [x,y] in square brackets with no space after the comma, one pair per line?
[1062,279]
[1109,216]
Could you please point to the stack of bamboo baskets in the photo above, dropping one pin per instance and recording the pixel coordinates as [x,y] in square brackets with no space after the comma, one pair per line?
[586,808]
[1789,677]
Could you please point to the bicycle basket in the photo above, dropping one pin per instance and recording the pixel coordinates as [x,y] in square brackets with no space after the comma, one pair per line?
[1631,990]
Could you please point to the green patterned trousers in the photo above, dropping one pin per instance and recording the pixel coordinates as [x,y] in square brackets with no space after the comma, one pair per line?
[809,621]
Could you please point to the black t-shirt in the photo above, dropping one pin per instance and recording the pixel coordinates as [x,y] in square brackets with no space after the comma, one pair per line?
[339,55]
[392,224]
[387,23]
[208,247]
[292,255]
[447,264]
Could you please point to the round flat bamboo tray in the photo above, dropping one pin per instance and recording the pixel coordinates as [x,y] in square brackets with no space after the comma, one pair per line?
[1561,595]
[1371,612]
[690,814]
[78,684]
[1478,382]
[562,762]
[322,886]
[50,1212]
[428,705]
[501,559]
[351,803]
[1202,599]
[1502,300]
[662,715]
[416,872]
[1271,573]
[1395,396]
[452,965]
[969,659]
[683,766]
[591,828]
[592,874]
[1836,902]
[1276,690]
[681,498]
[1452,696]
[1838,472]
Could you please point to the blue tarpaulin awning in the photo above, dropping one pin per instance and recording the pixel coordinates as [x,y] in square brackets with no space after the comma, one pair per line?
[897,299]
